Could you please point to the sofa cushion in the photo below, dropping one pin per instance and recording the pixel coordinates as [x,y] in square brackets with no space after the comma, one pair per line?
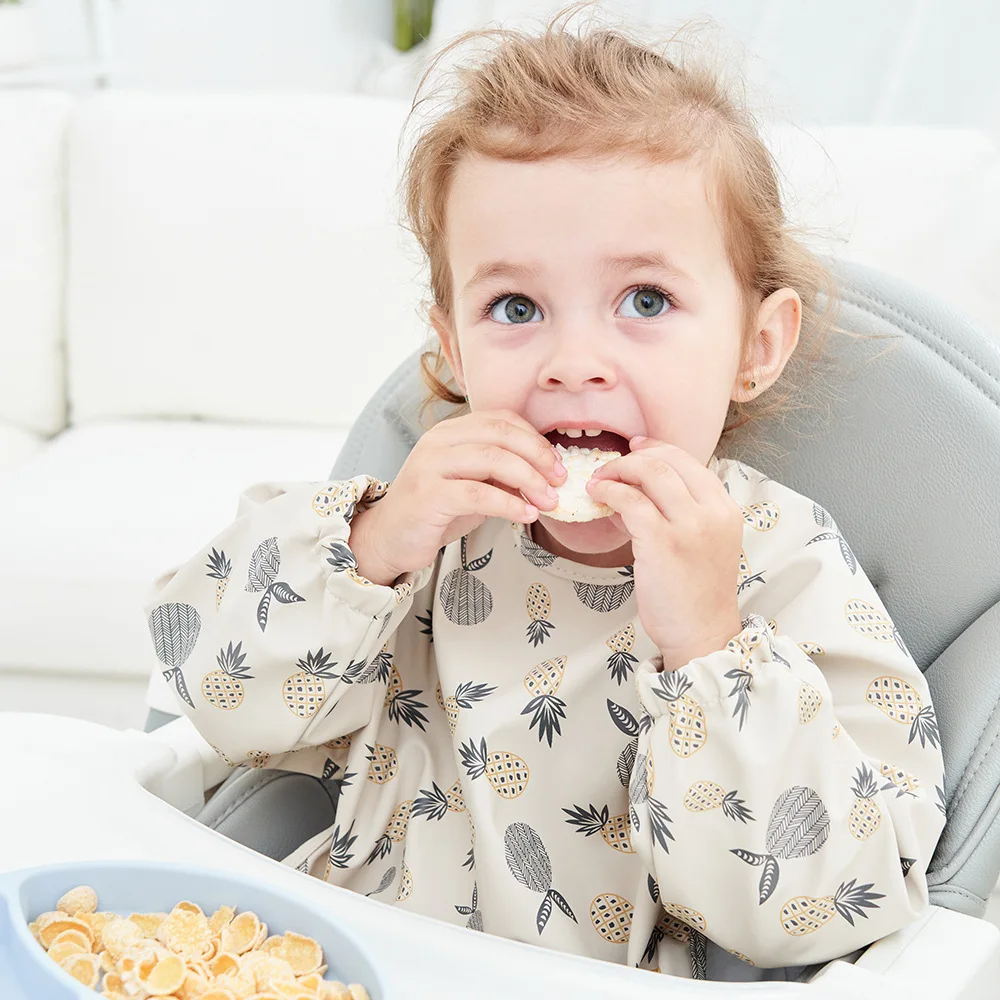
[235,257]
[32,251]
[16,446]
[104,509]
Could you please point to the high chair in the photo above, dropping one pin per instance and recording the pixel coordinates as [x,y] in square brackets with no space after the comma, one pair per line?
[907,459]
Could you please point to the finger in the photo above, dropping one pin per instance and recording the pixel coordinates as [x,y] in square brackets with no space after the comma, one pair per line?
[508,430]
[638,513]
[703,484]
[491,462]
[461,497]
[656,479]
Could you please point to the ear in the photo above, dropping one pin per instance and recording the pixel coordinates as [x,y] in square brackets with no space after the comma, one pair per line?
[445,329]
[779,319]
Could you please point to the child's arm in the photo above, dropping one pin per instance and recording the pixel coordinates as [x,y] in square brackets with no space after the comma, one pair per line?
[272,635]
[788,788]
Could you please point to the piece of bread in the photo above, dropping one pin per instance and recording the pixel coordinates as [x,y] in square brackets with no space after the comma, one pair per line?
[575,503]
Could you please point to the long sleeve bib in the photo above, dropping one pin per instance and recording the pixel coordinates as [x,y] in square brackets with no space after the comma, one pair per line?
[508,757]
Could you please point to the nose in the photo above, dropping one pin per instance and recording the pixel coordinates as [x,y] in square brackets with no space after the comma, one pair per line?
[576,361]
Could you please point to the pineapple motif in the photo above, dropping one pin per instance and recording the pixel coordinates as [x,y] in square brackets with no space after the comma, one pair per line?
[465,696]
[606,597]
[465,599]
[614,830]
[812,649]
[363,672]
[823,519]
[902,703]
[223,688]
[627,723]
[542,682]
[387,879]
[805,914]
[687,731]
[335,783]
[836,728]
[810,699]
[872,623]
[798,827]
[258,758]
[395,831]
[262,576]
[383,764]
[741,956]
[337,500]
[903,782]
[475,921]
[219,568]
[506,772]
[621,662]
[531,550]
[611,916]
[762,516]
[174,629]
[865,814]
[703,796]
[405,884]
[340,849]
[340,743]
[402,705]
[436,803]
[746,576]
[304,692]
[529,863]
[678,922]
[539,606]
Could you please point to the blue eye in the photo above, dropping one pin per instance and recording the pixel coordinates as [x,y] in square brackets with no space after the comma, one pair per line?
[515,309]
[647,302]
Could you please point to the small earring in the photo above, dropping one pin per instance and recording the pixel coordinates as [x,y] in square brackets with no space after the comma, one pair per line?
[751,385]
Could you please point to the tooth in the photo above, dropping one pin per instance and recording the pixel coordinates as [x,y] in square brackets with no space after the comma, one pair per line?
[560,430]
[573,432]
[593,432]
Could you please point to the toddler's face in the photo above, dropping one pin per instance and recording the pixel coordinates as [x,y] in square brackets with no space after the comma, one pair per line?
[593,294]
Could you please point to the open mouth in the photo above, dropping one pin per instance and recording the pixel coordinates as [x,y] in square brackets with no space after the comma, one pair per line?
[591,437]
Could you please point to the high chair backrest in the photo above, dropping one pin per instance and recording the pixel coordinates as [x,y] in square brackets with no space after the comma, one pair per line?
[906,459]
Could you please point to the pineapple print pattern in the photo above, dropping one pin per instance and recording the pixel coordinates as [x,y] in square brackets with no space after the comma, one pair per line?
[175,629]
[902,703]
[529,863]
[465,696]
[506,772]
[223,688]
[614,830]
[383,764]
[865,814]
[577,836]
[305,691]
[688,728]
[746,576]
[262,577]
[219,568]
[542,682]
[465,599]
[704,796]
[806,914]
[539,606]
[611,916]
[799,826]
[621,662]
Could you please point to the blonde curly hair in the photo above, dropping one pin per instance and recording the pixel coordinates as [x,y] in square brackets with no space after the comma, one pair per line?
[600,92]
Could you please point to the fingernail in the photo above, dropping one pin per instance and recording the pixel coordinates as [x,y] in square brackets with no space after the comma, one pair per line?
[552,494]
[560,469]
[638,439]
[530,511]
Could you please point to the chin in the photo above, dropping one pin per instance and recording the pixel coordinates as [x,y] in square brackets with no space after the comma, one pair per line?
[603,535]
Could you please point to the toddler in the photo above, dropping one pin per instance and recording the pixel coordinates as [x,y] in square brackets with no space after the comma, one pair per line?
[684,735]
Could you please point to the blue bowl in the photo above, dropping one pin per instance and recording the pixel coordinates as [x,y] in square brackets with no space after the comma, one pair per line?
[27,973]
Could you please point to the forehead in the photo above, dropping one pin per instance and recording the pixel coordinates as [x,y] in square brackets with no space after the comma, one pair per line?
[576,210]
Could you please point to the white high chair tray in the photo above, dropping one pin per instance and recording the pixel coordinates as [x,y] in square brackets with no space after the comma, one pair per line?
[73,791]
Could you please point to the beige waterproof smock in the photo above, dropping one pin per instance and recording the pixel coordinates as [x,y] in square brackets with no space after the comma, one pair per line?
[508,757]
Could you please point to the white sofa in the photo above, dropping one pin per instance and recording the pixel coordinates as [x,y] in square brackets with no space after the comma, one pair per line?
[199,291]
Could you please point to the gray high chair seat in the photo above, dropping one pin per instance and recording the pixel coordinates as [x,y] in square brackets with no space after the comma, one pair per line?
[907,460]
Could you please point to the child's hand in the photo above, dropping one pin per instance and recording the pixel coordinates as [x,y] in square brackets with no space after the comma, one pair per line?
[687,535]
[459,473]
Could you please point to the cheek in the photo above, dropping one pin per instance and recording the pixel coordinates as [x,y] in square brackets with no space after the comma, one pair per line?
[495,377]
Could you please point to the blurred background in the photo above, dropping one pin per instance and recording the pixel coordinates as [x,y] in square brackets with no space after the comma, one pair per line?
[202,279]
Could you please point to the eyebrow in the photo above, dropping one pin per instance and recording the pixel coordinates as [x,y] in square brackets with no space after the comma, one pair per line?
[626,262]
